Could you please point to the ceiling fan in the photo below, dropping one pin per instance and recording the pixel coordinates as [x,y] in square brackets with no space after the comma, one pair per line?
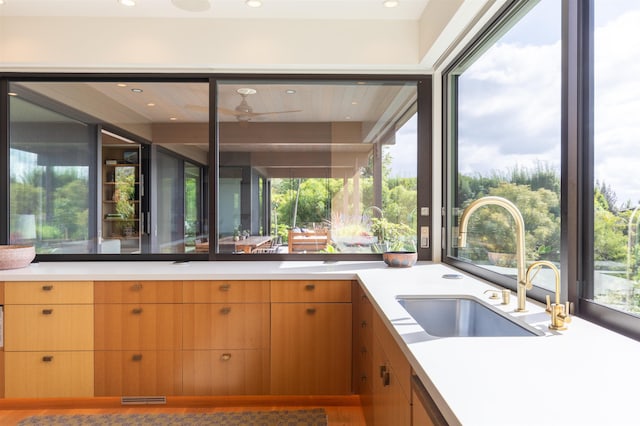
[243,112]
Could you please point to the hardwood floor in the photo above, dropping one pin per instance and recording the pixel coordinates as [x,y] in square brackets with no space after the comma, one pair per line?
[341,411]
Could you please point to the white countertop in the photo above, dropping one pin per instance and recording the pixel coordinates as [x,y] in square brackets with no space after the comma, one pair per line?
[585,375]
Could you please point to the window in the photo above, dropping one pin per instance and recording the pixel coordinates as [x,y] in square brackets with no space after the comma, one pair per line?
[317,167]
[109,167]
[504,140]
[616,202]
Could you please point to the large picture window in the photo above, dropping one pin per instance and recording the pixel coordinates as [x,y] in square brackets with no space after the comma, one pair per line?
[504,140]
[322,167]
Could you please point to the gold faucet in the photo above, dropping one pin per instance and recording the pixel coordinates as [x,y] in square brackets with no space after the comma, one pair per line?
[559,312]
[522,284]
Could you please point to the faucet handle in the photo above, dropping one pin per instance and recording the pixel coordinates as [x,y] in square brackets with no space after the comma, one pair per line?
[559,314]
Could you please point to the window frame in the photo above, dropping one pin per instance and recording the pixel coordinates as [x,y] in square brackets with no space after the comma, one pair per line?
[423,167]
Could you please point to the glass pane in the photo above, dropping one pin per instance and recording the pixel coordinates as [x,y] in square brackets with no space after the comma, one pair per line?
[616,128]
[51,171]
[129,203]
[505,142]
[317,167]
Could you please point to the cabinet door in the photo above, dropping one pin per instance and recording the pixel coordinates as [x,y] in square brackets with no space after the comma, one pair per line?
[138,326]
[138,291]
[226,326]
[138,373]
[226,372]
[48,292]
[390,405]
[311,348]
[226,292]
[48,374]
[48,327]
[311,291]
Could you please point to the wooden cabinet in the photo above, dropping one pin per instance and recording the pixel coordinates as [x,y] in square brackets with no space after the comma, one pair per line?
[311,327]
[363,351]
[48,339]
[226,337]
[121,224]
[391,390]
[424,411]
[138,338]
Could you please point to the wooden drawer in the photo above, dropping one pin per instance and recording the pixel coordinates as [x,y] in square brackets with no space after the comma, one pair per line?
[311,291]
[226,291]
[138,373]
[226,372]
[138,291]
[138,326]
[49,374]
[226,326]
[48,327]
[49,292]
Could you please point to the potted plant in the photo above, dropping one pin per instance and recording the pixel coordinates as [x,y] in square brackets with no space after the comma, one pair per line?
[391,236]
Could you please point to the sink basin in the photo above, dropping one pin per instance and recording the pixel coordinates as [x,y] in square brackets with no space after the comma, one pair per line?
[462,316]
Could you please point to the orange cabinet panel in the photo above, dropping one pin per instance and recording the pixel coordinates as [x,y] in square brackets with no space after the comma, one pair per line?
[226,372]
[48,374]
[310,291]
[48,327]
[226,326]
[226,292]
[138,291]
[311,348]
[48,292]
[138,373]
[138,326]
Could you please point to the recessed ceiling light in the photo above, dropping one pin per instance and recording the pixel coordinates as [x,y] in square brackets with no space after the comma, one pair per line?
[121,85]
[1,1]
[348,117]
[354,103]
[136,90]
[290,92]
[127,2]
[390,3]
[172,118]
[192,5]
[253,3]
[11,93]
[151,104]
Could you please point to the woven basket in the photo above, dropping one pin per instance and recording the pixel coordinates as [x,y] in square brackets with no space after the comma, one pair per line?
[16,256]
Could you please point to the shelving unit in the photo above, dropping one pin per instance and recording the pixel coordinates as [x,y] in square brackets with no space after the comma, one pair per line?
[121,196]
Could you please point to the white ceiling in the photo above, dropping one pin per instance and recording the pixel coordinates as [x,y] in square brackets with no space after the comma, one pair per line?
[228,9]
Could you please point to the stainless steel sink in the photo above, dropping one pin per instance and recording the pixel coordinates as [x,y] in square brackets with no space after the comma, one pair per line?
[462,316]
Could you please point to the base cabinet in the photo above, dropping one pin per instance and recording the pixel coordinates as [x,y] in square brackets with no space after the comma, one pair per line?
[48,337]
[311,326]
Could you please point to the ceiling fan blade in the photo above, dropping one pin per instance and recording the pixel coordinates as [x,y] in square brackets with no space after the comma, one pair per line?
[274,112]
[231,112]
[200,108]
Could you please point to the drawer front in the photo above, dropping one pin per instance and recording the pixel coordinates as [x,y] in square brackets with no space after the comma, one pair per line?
[138,373]
[226,372]
[138,291]
[138,326]
[226,326]
[49,374]
[50,292]
[48,327]
[393,354]
[311,291]
[226,292]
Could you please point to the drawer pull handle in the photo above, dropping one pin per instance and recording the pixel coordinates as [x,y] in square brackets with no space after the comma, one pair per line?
[136,287]
[47,358]
[47,311]
[225,287]
[225,357]
[47,287]
[363,324]
[383,370]
[136,357]
[310,287]
[225,311]
[386,379]
[311,311]
[136,311]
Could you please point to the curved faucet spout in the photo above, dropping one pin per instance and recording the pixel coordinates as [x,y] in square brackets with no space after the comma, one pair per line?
[522,285]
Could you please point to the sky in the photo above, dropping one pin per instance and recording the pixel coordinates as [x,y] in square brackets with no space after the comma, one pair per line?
[510,100]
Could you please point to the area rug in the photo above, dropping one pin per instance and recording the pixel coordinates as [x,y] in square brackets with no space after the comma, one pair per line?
[313,417]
